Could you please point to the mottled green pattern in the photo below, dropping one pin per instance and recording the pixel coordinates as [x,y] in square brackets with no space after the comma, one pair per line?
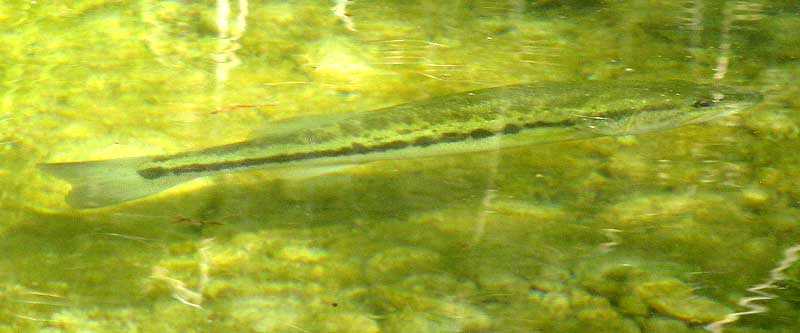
[478,121]
[510,112]
[655,232]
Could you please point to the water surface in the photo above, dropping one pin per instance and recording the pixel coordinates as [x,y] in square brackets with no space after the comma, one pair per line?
[660,232]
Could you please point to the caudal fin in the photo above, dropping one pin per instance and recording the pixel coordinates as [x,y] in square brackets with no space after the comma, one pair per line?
[104,183]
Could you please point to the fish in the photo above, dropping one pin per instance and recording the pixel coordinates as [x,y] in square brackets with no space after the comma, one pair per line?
[502,117]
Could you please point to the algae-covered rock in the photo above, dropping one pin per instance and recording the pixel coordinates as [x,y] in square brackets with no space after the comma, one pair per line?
[677,300]
[787,22]
[538,212]
[777,124]
[136,71]
[632,305]
[502,285]
[265,314]
[338,60]
[663,325]
[417,322]
[74,320]
[395,263]
[754,197]
[348,322]
[556,304]
[630,165]
[302,254]
[170,315]
[610,279]
[692,309]
[605,320]
[576,311]
[636,291]
[614,281]
[438,286]
[550,278]
[462,315]
[663,207]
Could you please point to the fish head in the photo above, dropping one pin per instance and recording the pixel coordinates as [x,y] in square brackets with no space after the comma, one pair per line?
[709,102]
[725,99]
[675,104]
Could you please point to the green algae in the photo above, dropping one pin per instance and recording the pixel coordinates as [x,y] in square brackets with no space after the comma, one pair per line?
[661,232]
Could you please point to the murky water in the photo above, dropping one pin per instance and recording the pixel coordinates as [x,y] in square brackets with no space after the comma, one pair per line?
[685,230]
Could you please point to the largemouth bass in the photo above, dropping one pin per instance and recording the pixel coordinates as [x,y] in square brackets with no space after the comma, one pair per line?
[481,120]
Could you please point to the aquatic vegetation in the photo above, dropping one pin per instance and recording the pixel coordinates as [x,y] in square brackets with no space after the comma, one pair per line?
[266,314]
[639,292]
[394,263]
[459,316]
[656,233]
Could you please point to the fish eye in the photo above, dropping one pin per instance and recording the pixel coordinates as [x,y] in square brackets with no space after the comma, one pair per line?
[703,103]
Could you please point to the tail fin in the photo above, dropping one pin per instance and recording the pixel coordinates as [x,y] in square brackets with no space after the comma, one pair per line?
[102,183]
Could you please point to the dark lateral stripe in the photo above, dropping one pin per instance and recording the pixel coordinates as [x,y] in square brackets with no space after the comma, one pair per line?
[354,149]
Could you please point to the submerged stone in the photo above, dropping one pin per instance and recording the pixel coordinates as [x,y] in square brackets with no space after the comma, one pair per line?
[676,299]
[417,322]
[663,325]
[395,263]
[464,316]
[349,322]
[503,285]
[266,314]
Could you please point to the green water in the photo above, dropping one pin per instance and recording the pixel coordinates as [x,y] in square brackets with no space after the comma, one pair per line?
[658,232]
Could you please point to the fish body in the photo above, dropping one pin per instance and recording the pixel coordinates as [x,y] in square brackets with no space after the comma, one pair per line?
[481,120]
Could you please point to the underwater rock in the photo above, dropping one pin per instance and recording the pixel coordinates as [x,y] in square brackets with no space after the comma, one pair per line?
[438,286]
[630,165]
[338,60]
[658,208]
[302,254]
[663,325]
[501,285]
[417,322]
[774,125]
[632,305]
[605,320]
[576,310]
[396,263]
[224,259]
[693,309]
[539,212]
[556,304]
[348,322]
[610,279]
[73,319]
[754,197]
[464,317]
[676,299]
[169,315]
[636,291]
[265,314]
[551,278]
[613,281]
